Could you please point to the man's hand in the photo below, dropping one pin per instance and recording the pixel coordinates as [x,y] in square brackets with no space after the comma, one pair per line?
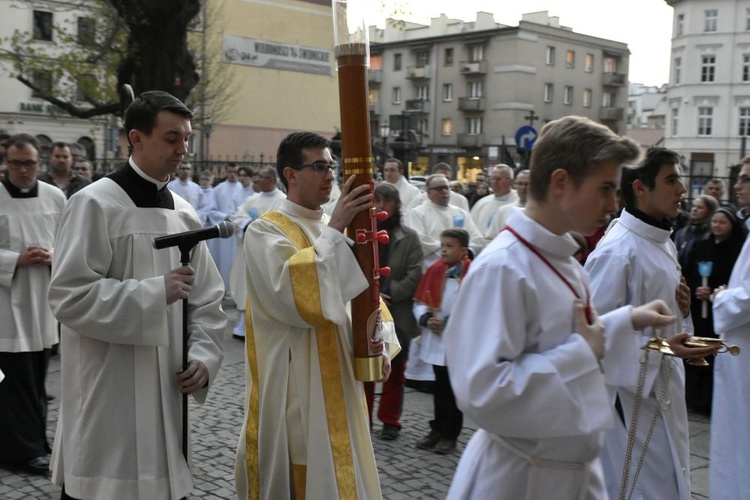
[386,367]
[178,283]
[682,294]
[350,203]
[655,314]
[35,256]
[194,378]
[593,333]
[435,325]
[685,352]
[703,293]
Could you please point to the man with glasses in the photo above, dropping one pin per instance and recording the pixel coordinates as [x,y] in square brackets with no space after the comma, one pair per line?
[31,210]
[484,211]
[436,215]
[61,173]
[184,186]
[267,197]
[306,433]
[455,199]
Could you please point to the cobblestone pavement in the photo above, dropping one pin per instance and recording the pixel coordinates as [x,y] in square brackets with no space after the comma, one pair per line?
[405,471]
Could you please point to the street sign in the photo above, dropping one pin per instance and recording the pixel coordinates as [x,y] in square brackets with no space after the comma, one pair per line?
[525,137]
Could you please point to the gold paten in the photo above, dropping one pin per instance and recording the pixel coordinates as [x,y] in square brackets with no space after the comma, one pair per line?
[709,342]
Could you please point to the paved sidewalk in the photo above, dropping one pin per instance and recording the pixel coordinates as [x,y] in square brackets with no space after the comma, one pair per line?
[405,471]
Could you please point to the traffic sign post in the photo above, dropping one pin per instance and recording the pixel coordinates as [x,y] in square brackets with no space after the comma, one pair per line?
[525,138]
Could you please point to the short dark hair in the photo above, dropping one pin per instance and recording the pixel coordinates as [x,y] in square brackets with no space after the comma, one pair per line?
[389,193]
[60,145]
[443,166]
[396,161]
[462,235]
[289,153]
[647,171]
[577,145]
[142,112]
[20,141]
[249,171]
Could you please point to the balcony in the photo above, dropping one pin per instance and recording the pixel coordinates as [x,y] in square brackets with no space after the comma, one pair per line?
[470,104]
[470,68]
[416,106]
[614,80]
[419,73]
[375,76]
[470,140]
[612,114]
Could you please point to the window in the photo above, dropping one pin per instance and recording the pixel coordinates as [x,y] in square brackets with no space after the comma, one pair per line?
[423,125]
[448,57]
[85,85]
[447,91]
[679,25]
[422,92]
[711,21]
[396,99]
[675,121]
[373,95]
[708,68]
[588,63]
[608,99]
[475,90]
[568,95]
[43,81]
[747,19]
[677,70]
[477,53]
[744,122]
[42,25]
[548,87]
[570,59]
[474,126]
[746,68]
[423,58]
[586,98]
[705,121]
[550,56]
[396,62]
[610,65]
[86,31]
[447,127]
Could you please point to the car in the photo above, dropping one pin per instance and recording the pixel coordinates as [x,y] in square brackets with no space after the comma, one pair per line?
[419,181]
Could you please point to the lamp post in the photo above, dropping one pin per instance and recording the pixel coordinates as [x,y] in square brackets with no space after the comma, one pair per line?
[385,130]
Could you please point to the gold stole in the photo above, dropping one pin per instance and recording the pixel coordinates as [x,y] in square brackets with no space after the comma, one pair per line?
[307,299]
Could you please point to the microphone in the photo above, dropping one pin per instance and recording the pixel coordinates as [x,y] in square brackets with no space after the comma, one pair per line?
[189,239]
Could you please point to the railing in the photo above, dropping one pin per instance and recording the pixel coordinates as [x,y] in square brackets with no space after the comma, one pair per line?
[473,67]
[471,104]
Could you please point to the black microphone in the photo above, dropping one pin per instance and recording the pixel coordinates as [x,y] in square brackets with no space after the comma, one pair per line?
[189,239]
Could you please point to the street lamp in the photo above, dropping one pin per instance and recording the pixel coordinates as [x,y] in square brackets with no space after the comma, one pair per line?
[385,130]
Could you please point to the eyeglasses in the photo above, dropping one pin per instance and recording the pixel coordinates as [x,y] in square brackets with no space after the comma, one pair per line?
[742,179]
[321,167]
[438,188]
[26,164]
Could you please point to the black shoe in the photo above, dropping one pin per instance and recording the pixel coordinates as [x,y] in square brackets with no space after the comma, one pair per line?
[429,441]
[38,466]
[239,337]
[389,432]
[444,446]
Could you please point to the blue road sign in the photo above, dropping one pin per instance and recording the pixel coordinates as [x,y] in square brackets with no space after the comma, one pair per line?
[525,137]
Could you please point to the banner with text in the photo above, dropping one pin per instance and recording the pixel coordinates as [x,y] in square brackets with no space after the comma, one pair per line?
[276,55]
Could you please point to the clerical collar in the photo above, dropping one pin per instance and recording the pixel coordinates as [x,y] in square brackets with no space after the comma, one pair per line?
[159,184]
[663,224]
[439,207]
[141,189]
[17,192]
[504,197]
[292,208]
[269,193]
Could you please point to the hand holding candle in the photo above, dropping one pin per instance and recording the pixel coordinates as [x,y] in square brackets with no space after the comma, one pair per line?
[704,269]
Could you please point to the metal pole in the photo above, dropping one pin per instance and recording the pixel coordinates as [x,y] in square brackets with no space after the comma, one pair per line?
[204,138]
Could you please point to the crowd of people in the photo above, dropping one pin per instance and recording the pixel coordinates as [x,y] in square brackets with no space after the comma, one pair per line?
[525,302]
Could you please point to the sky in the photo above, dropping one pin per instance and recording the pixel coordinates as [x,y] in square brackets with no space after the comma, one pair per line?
[645,25]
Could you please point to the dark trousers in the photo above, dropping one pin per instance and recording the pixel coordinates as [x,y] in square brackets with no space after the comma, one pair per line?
[448,418]
[392,399]
[23,406]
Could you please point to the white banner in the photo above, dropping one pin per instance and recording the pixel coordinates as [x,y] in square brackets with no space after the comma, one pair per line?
[276,55]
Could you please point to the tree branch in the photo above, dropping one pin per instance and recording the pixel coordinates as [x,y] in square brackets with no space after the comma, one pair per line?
[103,109]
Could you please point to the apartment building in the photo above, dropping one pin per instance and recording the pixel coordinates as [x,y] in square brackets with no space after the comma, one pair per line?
[708,95]
[457,92]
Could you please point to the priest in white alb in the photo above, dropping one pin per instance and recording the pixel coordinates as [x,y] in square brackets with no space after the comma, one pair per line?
[524,344]
[393,171]
[456,199]
[306,432]
[485,210]
[228,195]
[184,186]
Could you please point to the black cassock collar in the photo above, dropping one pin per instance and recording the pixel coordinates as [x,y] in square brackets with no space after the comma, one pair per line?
[16,192]
[144,194]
